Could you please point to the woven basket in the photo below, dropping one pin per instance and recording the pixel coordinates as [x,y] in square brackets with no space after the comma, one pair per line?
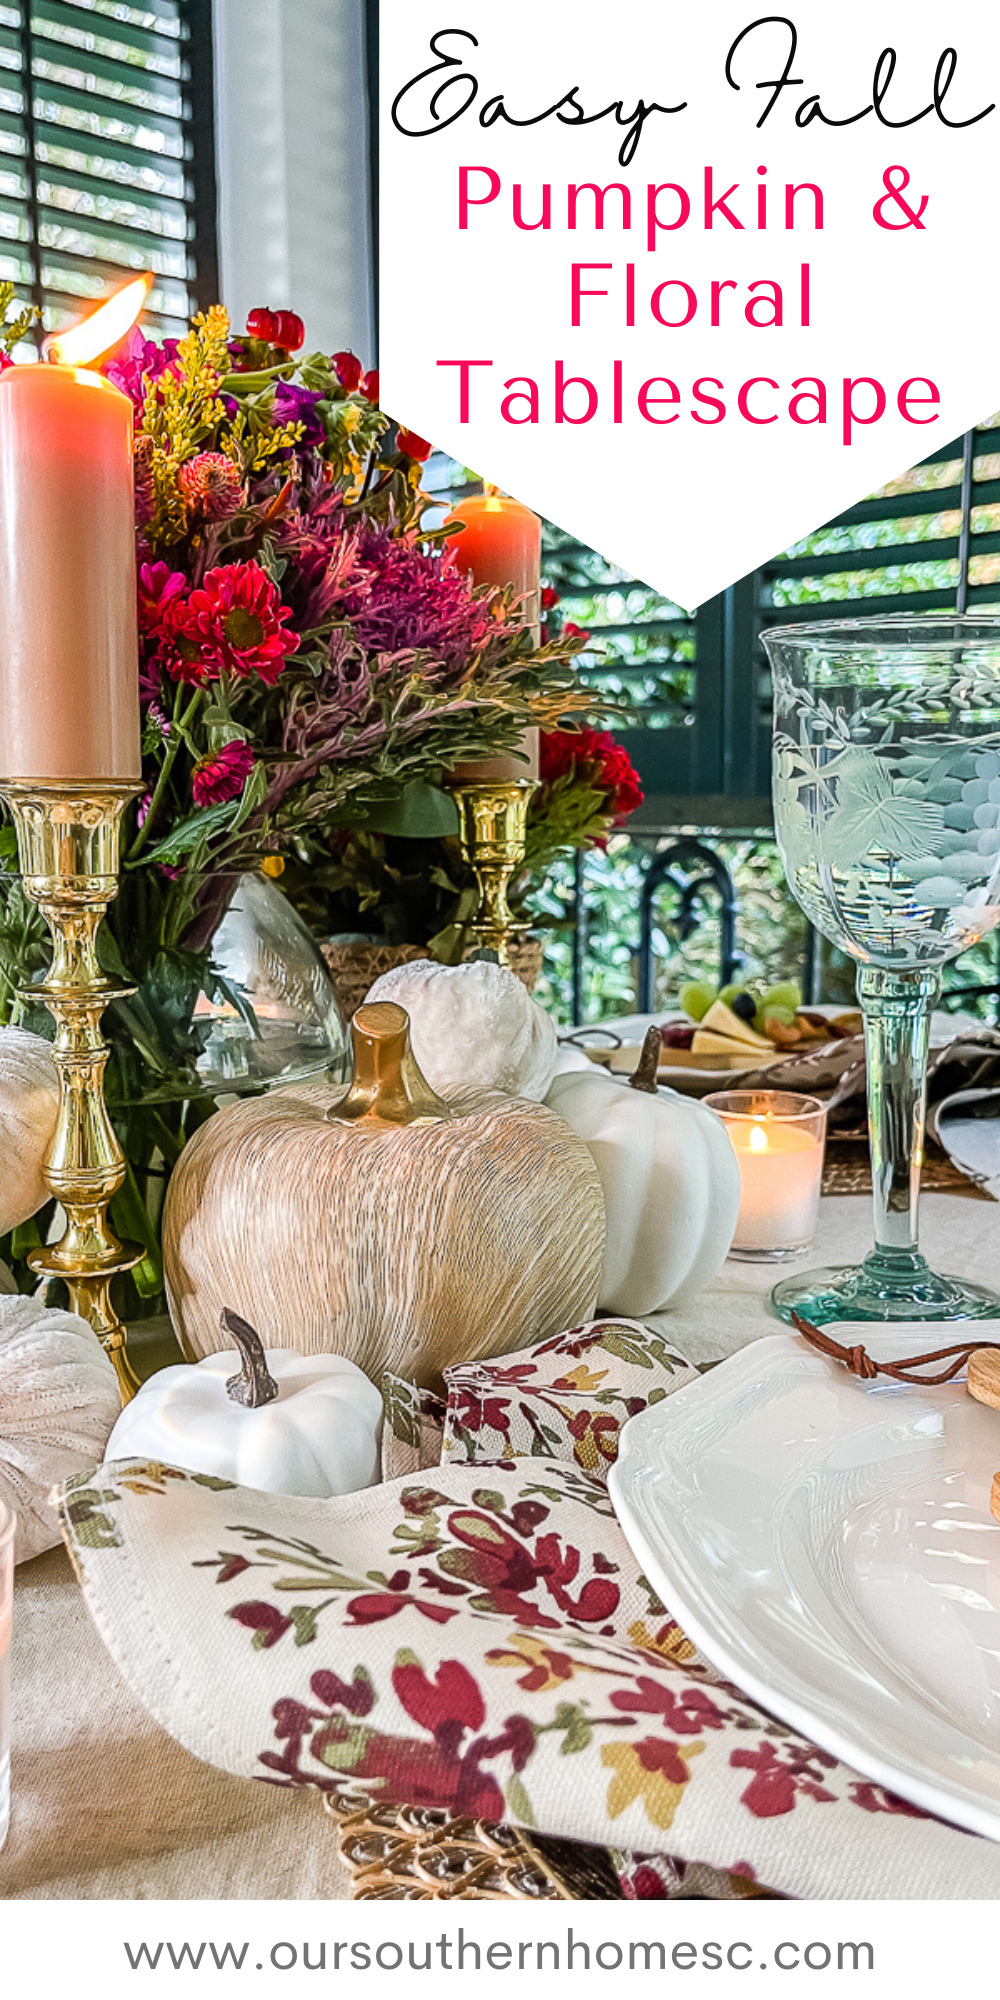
[354,968]
[526,955]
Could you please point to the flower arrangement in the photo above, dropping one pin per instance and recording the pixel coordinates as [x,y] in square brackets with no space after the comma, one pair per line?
[310,659]
[420,892]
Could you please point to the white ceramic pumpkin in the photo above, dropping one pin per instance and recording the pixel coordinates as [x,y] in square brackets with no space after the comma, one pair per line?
[59,1398]
[29,1106]
[275,1420]
[473,1027]
[671,1184]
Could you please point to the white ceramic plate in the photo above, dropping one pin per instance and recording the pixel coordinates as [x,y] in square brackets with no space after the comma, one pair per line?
[829,1546]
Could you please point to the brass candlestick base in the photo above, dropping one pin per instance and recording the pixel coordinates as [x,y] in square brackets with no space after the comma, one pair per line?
[492,828]
[68,841]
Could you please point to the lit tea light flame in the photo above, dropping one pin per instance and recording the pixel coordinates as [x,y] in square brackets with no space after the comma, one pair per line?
[758,1139]
[95,336]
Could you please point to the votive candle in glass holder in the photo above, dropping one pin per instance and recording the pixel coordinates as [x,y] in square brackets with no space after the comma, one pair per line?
[7,1526]
[778,1138]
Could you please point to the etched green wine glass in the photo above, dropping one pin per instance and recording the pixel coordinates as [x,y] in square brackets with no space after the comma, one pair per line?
[887,814]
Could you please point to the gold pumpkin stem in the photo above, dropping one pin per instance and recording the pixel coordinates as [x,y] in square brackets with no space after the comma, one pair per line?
[387,1087]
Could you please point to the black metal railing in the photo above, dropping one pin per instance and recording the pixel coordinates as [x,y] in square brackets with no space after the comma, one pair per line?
[692,871]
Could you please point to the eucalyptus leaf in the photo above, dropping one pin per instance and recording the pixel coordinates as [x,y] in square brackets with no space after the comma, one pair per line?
[420,812]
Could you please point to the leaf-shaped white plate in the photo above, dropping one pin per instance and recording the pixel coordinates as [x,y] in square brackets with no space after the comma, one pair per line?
[828,1544]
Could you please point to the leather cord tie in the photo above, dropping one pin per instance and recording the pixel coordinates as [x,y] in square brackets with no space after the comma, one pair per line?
[860,1363]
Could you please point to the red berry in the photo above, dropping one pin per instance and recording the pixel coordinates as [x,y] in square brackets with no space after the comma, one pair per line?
[290,331]
[348,370]
[262,324]
[414,446]
[369,385]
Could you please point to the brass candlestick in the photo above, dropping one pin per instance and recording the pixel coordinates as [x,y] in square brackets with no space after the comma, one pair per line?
[68,841]
[492,829]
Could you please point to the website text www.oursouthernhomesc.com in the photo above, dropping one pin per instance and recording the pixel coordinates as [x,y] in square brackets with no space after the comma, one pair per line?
[454,1952]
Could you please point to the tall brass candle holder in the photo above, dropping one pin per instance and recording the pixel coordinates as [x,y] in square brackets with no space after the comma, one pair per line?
[492,831]
[68,839]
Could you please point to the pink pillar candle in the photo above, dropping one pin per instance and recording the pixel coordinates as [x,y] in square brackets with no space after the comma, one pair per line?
[69,669]
[501,545]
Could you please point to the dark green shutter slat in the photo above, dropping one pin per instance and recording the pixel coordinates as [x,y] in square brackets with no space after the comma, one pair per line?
[104,185]
[90,102]
[104,27]
[70,139]
[66,55]
[124,233]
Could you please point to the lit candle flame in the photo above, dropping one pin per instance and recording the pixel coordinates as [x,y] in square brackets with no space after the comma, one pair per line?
[758,1139]
[96,335]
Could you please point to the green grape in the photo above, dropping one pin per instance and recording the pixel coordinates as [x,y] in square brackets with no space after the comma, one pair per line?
[785,994]
[784,1016]
[731,993]
[696,998]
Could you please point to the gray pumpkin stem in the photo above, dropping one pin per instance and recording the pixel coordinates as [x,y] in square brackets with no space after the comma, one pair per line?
[644,1076]
[253,1386]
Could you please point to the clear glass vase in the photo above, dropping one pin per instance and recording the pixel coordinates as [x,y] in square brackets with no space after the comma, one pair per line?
[272,1016]
[887,814]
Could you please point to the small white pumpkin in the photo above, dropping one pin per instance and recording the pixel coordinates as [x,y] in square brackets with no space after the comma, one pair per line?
[58,1401]
[29,1106]
[283,1422]
[473,1027]
[671,1184]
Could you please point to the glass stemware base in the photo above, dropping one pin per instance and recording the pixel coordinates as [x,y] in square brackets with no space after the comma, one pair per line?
[889,1285]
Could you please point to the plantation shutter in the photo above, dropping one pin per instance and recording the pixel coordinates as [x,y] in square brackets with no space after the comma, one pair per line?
[107,154]
[929,541]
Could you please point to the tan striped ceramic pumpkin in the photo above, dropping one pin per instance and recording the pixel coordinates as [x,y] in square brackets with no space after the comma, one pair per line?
[383,1224]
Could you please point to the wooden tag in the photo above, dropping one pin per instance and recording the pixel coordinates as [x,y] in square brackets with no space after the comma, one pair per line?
[984,1376]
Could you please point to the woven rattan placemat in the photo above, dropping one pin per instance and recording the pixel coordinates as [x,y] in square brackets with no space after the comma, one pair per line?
[847,1170]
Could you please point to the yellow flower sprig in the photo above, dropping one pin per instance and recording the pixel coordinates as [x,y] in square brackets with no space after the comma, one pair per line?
[183,412]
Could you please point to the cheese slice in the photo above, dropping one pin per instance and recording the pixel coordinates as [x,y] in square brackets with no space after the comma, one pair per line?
[737,1054]
[706,1043]
[721,1020]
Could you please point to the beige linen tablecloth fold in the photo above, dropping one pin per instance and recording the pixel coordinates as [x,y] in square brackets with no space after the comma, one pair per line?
[105,1804]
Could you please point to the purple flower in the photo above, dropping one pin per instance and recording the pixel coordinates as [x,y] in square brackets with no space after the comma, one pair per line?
[414,601]
[138,363]
[293,405]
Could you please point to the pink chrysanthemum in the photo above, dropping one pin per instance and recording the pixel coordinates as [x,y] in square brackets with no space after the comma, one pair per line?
[222,775]
[233,625]
[159,588]
[211,486]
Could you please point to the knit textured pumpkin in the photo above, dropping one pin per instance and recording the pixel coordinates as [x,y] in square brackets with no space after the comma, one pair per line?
[29,1106]
[59,1399]
[473,1027]
[384,1224]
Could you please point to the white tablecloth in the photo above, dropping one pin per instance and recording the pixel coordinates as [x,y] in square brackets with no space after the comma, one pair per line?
[958,1235]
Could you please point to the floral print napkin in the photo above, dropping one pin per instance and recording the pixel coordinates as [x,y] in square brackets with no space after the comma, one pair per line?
[566,1398]
[478,1638]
